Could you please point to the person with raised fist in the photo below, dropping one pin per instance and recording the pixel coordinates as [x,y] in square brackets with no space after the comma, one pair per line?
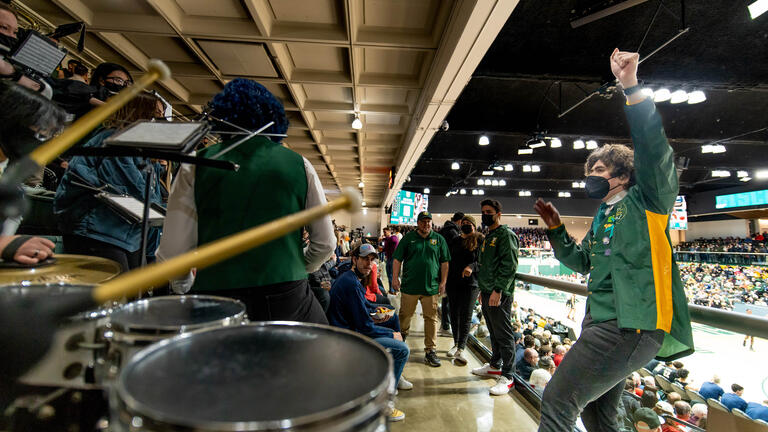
[636,306]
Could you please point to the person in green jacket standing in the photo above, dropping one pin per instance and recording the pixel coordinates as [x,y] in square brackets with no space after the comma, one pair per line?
[636,306]
[424,257]
[497,265]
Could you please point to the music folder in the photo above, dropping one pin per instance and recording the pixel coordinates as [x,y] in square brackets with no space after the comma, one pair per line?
[132,209]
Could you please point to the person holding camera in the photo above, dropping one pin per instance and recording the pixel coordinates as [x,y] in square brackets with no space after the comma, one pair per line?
[9,26]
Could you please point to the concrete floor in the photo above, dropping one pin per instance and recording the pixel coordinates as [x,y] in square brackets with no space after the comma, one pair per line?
[450,398]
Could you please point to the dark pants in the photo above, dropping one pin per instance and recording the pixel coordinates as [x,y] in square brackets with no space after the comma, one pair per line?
[392,323]
[446,318]
[462,299]
[323,297]
[499,323]
[75,244]
[286,301]
[591,376]
[390,261]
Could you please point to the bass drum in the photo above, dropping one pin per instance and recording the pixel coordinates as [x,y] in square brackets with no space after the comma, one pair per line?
[136,325]
[265,376]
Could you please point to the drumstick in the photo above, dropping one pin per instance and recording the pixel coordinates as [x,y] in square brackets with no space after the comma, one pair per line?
[139,280]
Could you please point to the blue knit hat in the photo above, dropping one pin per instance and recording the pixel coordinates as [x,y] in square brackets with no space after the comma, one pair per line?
[250,105]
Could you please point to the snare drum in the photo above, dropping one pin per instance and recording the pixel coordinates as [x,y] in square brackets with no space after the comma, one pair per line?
[75,346]
[265,376]
[141,323]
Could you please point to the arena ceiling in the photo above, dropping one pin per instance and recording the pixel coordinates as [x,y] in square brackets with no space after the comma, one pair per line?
[398,64]
[540,65]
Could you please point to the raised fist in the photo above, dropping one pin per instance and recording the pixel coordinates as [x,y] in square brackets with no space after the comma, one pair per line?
[624,67]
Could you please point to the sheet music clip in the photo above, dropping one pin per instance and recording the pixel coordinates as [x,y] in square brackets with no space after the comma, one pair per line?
[132,210]
[179,137]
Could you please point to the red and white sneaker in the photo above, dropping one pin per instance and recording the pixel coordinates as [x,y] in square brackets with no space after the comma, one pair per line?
[502,386]
[487,371]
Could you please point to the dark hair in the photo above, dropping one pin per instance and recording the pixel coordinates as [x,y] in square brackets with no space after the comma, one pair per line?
[23,110]
[677,364]
[457,216]
[142,107]
[104,69]
[493,203]
[649,397]
[80,70]
[76,62]
[249,105]
[736,387]
[616,157]
[546,362]
[629,384]
[529,341]
[682,373]
[472,241]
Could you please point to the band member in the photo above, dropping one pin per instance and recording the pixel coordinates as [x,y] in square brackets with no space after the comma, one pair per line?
[636,308]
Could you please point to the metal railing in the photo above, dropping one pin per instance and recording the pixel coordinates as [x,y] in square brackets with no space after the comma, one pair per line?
[722,319]
[728,258]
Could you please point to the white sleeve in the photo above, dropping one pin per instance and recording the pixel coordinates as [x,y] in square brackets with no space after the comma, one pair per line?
[180,226]
[322,241]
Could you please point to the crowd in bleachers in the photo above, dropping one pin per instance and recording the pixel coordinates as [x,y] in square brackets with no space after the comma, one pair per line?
[720,286]
[728,250]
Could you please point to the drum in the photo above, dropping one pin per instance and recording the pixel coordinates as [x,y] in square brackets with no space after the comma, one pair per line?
[264,376]
[67,269]
[75,346]
[141,323]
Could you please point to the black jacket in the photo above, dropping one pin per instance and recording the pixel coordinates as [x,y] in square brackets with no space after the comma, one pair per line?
[461,258]
[450,231]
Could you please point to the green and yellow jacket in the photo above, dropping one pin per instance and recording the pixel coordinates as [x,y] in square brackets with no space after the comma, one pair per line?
[497,263]
[628,253]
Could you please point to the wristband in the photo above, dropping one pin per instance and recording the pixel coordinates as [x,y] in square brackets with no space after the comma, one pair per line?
[634,89]
[10,250]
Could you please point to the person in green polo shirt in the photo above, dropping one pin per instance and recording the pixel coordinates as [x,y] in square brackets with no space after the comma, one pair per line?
[497,265]
[423,256]
[636,306]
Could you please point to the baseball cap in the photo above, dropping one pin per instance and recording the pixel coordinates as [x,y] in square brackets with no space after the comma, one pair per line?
[424,215]
[647,416]
[366,250]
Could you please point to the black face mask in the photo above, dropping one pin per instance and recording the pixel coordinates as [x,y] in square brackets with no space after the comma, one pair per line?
[598,187]
[10,42]
[466,229]
[488,220]
[112,87]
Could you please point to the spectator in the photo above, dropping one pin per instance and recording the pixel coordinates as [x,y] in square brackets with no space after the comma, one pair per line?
[734,400]
[89,225]
[527,364]
[673,397]
[631,404]
[74,95]
[390,244]
[668,425]
[559,354]
[681,377]
[682,410]
[449,231]
[646,420]
[758,411]
[648,382]
[649,399]
[348,310]
[462,288]
[497,268]
[424,257]
[9,26]
[541,376]
[698,413]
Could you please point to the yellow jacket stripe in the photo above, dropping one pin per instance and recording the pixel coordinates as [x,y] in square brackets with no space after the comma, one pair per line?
[661,258]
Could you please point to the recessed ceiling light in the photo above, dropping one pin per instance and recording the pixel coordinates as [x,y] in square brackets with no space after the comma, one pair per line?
[591,145]
[502,182]
[481,192]
[525,151]
[721,173]
[426,190]
[488,172]
[479,182]
[363,203]
[474,191]
[582,185]
[575,184]
[495,182]
[555,143]
[535,168]
[463,191]
[361,184]
[488,182]
[455,166]
[483,141]
[578,145]
[526,168]
[508,167]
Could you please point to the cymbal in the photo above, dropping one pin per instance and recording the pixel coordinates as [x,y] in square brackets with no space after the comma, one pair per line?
[68,269]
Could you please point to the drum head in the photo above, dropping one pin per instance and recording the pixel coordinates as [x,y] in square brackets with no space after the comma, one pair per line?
[255,375]
[176,313]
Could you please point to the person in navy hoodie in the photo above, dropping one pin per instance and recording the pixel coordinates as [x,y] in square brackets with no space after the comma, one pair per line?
[734,400]
[348,310]
[711,389]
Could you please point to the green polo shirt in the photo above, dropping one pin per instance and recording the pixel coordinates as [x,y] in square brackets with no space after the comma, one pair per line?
[421,258]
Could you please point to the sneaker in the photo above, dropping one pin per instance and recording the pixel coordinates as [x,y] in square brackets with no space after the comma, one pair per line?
[487,371]
[502,386]
[446,332]
[459,358]
[396,415]
[431,359]
[404,384]
[452,351]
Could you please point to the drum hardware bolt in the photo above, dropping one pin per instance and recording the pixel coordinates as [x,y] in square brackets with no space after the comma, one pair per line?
[45,412]
[76,397]
[102,424]
[137,422]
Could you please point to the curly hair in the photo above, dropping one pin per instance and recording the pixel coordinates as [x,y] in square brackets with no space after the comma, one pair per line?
[249,105]
[618,158]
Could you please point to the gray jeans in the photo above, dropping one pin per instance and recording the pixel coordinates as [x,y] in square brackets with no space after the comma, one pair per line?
[499,321]
[591,376]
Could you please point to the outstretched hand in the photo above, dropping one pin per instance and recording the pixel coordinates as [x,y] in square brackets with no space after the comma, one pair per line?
[548,212]
[624,67]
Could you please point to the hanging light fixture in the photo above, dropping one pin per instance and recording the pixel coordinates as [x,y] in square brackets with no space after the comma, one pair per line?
[525,151]
[696,96]
[474,191]
[679,96]
[578,144]
[357,124]
[495,183]
[502,182]
[508,167]
[480,182]
[662,95]
[361,185]
[526,168]
[484,141]
[591,145]
[535,168]
[455,166]
[555,143]
[426,190]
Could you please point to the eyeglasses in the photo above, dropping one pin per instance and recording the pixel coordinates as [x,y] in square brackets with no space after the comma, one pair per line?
[119,81]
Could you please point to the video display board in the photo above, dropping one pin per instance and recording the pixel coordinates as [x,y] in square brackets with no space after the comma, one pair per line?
[407,206]
[678,219]
[743,199]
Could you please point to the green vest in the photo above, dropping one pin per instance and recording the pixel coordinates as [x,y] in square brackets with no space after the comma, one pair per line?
[270,183]
[633,277]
